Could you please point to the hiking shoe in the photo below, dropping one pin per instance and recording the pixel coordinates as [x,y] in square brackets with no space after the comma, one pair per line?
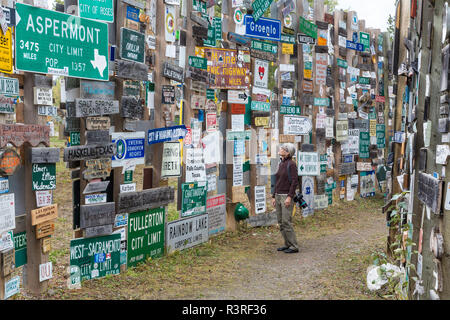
[291,251]
[282,249]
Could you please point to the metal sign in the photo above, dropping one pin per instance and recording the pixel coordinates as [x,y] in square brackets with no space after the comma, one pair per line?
[9,87]
[237,97]
[6,58]
[132,45]
[67,46]
[308,164]
[308,195]
[261,73]
[145,235]
[267,29]
[130,148]
[259,7]
[98,10]
[186,233]
[307,27]
[166,134]
[193,198]
[217,214]
[171,160]
[92,258]
[260,199]
[297,125]
[303,39]
[355,46]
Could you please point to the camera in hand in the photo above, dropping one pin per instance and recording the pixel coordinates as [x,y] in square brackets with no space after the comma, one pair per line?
[301,202]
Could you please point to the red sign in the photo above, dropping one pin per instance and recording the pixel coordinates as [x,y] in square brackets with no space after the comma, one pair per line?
[9,161]
[216,201]
[18,134]
[211,122]
[380,99]
[237,108]
[188,137]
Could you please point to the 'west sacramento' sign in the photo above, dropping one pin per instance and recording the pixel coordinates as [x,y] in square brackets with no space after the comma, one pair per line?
[57,43]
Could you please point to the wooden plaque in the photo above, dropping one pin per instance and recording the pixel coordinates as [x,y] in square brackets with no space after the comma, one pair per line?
[95,107]
[45,155]
[148,199]
[18,134]
[45,229]
[97,137]
[98,123]
[44,214]
[93,215]
[88,152]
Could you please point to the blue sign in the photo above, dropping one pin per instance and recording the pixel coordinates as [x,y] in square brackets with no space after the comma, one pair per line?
[166,134]
[99,257]
[268,29]
[355,46]
[348,158]
[355,37]
[4,185]
[130,145]
[132,13]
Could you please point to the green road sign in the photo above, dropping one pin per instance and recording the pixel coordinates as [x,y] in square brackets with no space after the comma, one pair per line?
[210,94]
[20,247]
[145,235]
[364,38]
[199,63]
[128,177]
[259,7]
[308,28]
[193,199]
[287,38]
[264,46]
[74,138]
[342,63]
[260,106]
[98,10]
[132,45]
[92,258]
[290,110]
[381,136]
[61,44]
[363,80]
[198,5]
[364,145]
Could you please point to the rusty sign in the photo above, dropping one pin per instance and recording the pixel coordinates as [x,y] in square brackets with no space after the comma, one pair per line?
[18,134]
[44,214]
[230,67]
[97,168]
[9,161]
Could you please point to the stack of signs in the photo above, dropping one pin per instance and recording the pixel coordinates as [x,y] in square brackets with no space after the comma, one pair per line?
[44,182]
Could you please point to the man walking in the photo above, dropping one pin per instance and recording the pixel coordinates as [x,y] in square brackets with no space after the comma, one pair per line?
[285,188]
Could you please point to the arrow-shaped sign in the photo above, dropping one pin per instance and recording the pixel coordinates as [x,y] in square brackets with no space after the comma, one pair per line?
[304,39]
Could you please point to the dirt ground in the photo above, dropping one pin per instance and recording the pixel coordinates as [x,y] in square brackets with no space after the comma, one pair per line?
[335,249]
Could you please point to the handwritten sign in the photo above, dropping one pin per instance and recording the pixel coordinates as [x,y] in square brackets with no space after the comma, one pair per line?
[9,161]
[95,107]
[89,152]
[18,134]
[97,168]
[229,70]
[44,198]
[297,125]
[44,176]
[98,214]
[98,123]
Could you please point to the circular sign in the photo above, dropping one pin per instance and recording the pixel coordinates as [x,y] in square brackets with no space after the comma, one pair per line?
[238,16]
[288,20]
[121,149]
[170,25]
[9,161]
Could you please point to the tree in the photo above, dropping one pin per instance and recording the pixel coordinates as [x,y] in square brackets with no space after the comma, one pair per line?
[331,4]
[57,1]
[391,27]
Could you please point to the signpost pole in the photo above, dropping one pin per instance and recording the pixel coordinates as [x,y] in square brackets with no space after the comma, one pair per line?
[35,256]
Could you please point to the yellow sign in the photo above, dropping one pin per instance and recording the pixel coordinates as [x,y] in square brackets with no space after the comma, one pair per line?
[261,121]
[199,52]
[287,48]
[307,74]
[6,60]
[373,128]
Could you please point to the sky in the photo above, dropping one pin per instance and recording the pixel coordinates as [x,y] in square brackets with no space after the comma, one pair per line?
[375,13]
